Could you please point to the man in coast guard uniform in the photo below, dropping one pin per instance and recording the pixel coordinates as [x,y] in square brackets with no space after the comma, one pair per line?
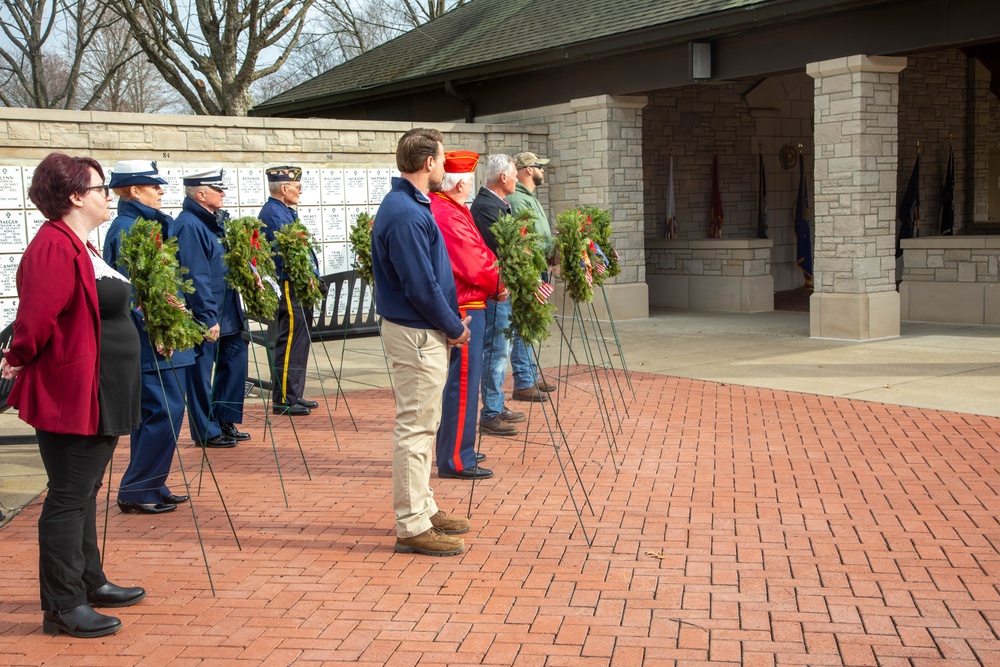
[293,322]
[144,485]
[213,411]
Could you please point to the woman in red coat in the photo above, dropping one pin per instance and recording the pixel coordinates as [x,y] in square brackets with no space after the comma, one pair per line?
[75,357]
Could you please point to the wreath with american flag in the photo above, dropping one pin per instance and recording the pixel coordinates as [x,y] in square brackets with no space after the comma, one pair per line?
[575,255]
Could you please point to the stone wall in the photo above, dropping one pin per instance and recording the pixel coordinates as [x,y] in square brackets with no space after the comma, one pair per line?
[735,120]
[712,274]
[933,104]
[951,279]
[363,153]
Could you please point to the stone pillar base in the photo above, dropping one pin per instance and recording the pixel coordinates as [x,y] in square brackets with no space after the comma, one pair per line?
[628,302]
[854,316]
[736,294]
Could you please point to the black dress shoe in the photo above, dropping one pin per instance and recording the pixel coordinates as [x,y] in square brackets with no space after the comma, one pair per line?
[480,457]
[220,442]
[126,507]
[80,621]
[294,410]
[312,405]
[173,499]
[110,595]
[230,431]
[475,472]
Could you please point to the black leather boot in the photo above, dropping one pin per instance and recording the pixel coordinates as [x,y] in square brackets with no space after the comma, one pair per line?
[110,595]
[80,621]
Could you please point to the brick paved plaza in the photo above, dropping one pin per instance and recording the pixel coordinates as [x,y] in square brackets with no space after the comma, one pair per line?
[746,527]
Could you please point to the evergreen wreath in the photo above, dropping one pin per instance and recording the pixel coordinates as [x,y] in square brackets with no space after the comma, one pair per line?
[157,279]
[361,240]
[574,255]
[251,267]
[293,243]
[600,232]
[521,259]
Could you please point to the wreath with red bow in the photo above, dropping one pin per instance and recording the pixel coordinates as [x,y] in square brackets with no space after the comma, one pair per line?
[294,243]
[251,267]
[575,255]
[157,279]
[521,258]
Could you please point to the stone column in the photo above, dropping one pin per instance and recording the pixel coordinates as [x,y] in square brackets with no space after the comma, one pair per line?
[596,149]
[595,144]
[854,259]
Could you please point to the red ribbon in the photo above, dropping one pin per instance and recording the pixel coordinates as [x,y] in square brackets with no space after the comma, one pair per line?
[255,244]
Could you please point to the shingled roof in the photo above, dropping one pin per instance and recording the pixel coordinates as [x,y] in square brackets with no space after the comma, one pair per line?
[489,56]
[489,35]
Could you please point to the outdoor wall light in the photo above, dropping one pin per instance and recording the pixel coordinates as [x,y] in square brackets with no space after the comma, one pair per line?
[701,60]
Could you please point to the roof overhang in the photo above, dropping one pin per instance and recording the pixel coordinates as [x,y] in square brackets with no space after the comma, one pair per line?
[750,42]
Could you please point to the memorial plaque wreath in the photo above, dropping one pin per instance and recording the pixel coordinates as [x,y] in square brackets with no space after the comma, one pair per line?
[599,229]
[251,267]
[361,240]
[157,279]
[294,244]
[574,255]
[521,259]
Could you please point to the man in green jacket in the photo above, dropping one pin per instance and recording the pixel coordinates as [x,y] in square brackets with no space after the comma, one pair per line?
[531,174]
[528,384]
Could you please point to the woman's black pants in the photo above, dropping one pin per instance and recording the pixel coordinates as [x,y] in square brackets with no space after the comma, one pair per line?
[69,560]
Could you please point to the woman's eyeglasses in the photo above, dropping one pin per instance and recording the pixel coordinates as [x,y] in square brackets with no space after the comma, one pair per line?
[106,188]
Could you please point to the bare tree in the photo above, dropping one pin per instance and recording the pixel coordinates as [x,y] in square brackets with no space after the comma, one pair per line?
[343,29]
[136,86]
[44,49]
[418,12]
[208,51]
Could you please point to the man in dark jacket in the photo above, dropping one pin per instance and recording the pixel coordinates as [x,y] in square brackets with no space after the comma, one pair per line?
[214,408]
[487,207]
[293,321]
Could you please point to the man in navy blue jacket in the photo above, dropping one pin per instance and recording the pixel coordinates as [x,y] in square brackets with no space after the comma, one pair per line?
[293,321]
[415,295]
[213,412]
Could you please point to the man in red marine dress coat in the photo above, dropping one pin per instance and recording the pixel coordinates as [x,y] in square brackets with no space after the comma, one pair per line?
[476,278]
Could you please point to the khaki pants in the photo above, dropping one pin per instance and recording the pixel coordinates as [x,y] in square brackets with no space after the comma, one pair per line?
[420,369]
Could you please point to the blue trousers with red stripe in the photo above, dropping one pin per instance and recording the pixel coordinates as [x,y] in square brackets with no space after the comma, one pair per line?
[456,437]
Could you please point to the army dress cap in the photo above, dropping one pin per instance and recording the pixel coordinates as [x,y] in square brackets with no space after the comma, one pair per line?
[210,177]
[135,172]
[283,174]
[524,160]
[460,162]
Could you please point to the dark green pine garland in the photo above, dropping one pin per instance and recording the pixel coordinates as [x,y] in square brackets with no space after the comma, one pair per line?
[249,247]
[157,278]
[573,247]
[521,258]
[361,242]
[600,232]
[293,243]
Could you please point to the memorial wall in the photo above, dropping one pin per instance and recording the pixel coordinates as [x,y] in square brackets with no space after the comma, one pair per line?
[330,203]
[347,167]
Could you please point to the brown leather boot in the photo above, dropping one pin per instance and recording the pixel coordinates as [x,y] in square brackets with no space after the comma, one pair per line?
[497,426]
[431,542]
[450,525]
